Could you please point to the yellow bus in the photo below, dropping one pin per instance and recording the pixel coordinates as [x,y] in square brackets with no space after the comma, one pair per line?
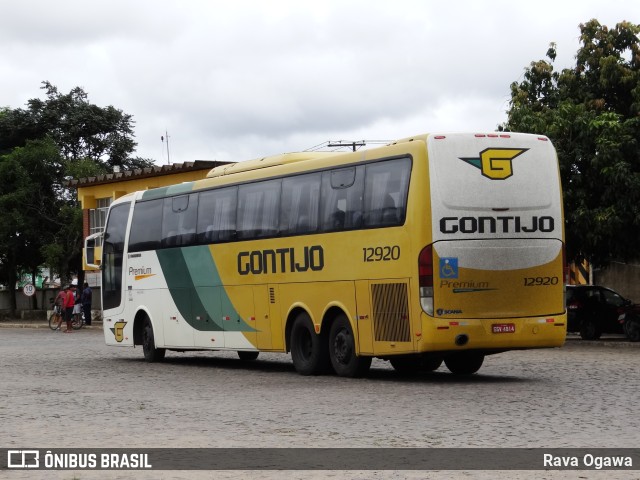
[435,248]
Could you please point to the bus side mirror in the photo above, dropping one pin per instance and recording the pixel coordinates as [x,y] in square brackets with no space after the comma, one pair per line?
[90,251]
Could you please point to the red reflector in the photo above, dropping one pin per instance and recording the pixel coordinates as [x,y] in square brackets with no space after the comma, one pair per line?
[454,324]
[505,136]
[480,135]
[544,139]
[439,137]
[493,135]
[550,320]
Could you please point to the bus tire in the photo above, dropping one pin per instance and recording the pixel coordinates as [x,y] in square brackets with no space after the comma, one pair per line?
[151,353]
[245,355]
[342,350]
[308,349]
[464,363]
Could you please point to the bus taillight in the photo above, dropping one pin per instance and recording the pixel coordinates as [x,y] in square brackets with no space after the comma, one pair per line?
[425,274]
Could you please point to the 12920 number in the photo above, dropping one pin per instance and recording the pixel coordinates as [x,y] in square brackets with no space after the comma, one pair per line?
[540,281]
[381,254]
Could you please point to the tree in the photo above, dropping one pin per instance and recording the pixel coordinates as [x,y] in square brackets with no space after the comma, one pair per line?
[30,210]
[81,129]
[592,114]
[63,136]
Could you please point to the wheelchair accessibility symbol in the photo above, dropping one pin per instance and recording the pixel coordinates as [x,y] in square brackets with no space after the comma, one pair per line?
[449,267]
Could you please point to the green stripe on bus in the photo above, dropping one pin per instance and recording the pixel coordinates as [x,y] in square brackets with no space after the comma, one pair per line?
[192,269]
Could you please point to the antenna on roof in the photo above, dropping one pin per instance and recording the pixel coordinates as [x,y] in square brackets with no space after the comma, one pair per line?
[162,137]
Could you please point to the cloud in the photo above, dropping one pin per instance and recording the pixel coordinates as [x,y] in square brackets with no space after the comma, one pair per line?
[242,79]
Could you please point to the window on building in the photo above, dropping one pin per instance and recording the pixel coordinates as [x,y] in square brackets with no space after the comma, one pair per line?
[98,217]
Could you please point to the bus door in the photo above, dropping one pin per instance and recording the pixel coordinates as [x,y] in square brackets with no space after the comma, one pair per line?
[113,253]
[384,322]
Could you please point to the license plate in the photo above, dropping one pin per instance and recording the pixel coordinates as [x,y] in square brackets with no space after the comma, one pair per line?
[503,328]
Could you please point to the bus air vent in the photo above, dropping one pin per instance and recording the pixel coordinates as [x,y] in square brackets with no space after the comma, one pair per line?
[272,295]
[390,312]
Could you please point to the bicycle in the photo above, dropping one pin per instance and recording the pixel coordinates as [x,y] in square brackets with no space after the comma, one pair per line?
[77,321]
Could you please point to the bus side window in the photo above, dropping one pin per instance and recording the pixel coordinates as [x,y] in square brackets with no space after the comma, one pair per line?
[385,192]
[146,226]
[259,209]
[300,204]
[179,220]
[341,199]
[217,215]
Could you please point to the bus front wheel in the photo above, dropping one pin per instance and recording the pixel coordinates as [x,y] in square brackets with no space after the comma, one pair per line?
[151,353]
[308,349]
[342,350]
[464,363]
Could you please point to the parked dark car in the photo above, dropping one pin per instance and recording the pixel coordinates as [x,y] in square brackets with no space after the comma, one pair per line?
[593,310]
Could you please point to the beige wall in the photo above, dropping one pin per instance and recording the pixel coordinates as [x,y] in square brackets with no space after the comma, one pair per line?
[624,278]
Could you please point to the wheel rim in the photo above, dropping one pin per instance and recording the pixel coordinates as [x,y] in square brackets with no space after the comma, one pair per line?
[342,347]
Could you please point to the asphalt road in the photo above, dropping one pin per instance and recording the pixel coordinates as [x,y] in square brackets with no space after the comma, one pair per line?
[71,390]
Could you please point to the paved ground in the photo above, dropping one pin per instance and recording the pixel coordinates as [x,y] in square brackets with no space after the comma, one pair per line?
[60,390]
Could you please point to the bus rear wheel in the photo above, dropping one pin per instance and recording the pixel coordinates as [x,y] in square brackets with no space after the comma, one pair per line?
[151,353]
[342,350]
[464,363]
[308,349]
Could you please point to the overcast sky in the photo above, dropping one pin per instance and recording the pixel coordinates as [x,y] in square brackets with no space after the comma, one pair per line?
[234,80]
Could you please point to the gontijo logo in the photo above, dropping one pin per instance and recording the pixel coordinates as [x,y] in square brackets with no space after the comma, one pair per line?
[495,163]
[118,330]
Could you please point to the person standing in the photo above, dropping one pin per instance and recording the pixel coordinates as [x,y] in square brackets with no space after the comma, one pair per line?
[77,305]
[69,302]
[59,306]
[85,299]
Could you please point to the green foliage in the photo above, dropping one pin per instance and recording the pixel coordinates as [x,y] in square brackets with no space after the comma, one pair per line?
[41,146]
[81,129]
[29,206]
[592,114]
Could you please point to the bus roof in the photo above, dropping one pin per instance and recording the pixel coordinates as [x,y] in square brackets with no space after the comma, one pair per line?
[266,162]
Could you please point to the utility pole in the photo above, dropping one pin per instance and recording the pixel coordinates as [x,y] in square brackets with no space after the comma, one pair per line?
[166,134]
[341,143]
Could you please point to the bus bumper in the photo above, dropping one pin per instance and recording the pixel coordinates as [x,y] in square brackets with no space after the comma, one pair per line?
[439,334]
